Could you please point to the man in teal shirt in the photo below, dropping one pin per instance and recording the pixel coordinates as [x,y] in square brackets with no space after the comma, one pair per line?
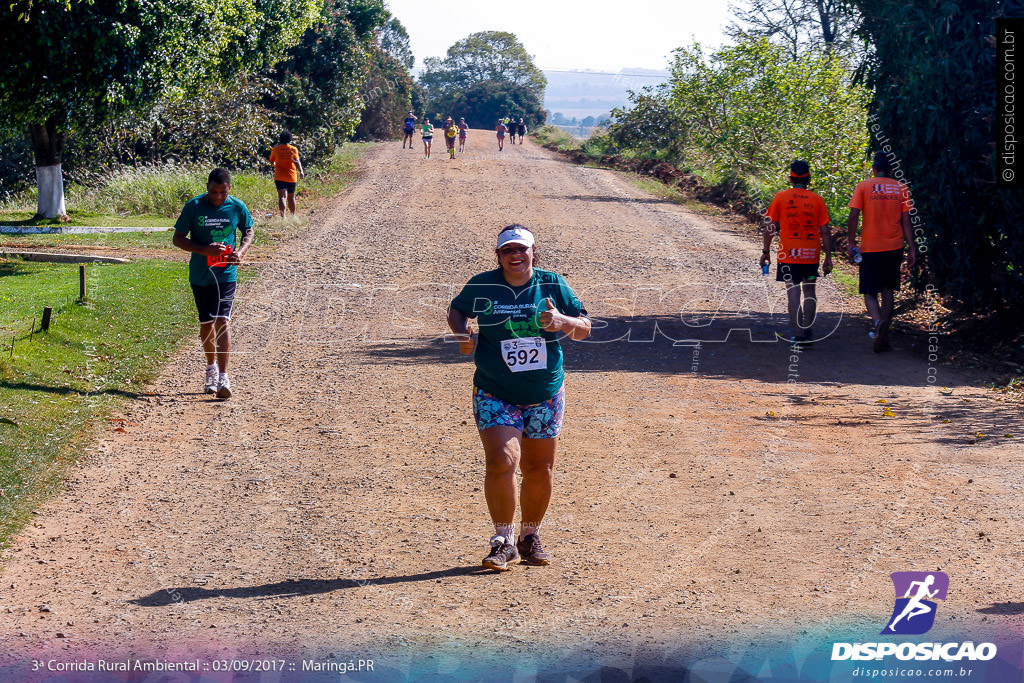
[207,227]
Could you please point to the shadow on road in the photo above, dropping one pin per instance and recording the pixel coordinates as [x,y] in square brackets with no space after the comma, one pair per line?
[290,588]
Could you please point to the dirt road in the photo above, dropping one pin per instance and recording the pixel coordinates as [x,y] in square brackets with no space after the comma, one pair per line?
[710,483]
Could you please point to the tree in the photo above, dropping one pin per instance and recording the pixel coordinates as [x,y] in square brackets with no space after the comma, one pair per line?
[321,76]
[387,96]
[487,56]
[800,26]
[934,111]
[482,104]
[74,64]
[394,40]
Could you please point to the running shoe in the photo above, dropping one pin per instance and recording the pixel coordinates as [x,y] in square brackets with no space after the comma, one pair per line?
[531,551]
[882,336]
[501,554]
[224,386]
[212,374]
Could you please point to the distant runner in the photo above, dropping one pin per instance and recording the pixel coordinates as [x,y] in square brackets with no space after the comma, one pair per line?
[285,158]
[886,205]
[501,135]
[800,218]
[521,130]
[463,130]
[450,133]
[206,228]
[410,128]
[518,397]
[427,133]
[510,126]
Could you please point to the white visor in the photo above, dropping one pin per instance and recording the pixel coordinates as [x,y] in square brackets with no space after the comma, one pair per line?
[516,236]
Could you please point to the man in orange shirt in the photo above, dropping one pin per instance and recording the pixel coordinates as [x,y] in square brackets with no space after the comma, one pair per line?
[801,219]
[285,158]
[885,204]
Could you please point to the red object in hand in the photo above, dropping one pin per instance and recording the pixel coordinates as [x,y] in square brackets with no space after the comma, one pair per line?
[219,261]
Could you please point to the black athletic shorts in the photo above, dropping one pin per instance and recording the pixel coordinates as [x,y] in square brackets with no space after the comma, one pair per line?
[282,185]
[880,270]
[214,301]
[797,273]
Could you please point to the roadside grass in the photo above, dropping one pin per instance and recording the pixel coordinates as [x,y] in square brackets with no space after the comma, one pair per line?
[660,189]
[152,196]
[156,239]
[57,388]
[554,134]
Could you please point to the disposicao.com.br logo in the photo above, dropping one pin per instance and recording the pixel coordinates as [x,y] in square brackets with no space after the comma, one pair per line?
[914,614]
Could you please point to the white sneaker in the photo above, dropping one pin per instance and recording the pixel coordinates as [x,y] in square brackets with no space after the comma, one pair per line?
[212,375]
[224,388]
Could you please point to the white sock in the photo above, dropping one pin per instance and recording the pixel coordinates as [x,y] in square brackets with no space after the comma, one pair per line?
[528,529]
[506,531]
[223,376]
[212,366]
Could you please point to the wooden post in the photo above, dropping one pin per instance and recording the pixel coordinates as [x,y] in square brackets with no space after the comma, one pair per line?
[46,319]
[81,283]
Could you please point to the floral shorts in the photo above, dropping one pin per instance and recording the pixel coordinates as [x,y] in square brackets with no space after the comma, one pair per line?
[535,421]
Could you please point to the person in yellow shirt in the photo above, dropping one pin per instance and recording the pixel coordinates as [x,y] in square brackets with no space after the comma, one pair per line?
[287,171]
[450,133]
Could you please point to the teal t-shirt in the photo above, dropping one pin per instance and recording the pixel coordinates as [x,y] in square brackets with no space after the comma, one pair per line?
[204,223]
[514,371]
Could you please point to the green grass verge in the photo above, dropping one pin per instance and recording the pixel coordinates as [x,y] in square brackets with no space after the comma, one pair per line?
[559,137]
[660,189]
[160,239]
[57,388]
[152,196]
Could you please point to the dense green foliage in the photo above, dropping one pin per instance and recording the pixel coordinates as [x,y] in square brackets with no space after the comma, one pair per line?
[84,62]
[125,92]
[934,76]
[483,78]
[387,96]
[322,75]
[742,114]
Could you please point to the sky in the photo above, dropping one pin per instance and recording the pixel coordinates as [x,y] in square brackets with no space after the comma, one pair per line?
[572,35]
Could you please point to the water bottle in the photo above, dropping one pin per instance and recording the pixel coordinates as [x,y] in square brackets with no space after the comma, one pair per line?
[764,269]
[857,256]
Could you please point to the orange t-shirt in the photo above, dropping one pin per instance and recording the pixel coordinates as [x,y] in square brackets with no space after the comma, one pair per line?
[883,201]
[283,157]
[800,214]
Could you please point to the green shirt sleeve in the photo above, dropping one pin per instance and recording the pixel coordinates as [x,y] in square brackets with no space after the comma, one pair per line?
[184,223]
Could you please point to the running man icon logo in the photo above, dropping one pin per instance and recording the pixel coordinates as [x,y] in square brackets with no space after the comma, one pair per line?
[916,593]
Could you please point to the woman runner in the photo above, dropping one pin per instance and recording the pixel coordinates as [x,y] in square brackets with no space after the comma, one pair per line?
[501,135]
[518,398]
[428,135]
[463,129]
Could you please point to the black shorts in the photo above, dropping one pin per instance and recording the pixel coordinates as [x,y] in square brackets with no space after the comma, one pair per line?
[797,273]
[880,270]
[282,185]
[214,301]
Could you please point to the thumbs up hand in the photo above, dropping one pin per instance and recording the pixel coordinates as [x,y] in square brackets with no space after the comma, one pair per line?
[551,320]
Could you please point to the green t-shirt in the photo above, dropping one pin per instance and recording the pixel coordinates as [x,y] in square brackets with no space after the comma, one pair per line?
[204,223]
[514,372]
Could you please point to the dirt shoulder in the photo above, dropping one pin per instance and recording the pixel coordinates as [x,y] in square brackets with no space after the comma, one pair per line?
[710,482]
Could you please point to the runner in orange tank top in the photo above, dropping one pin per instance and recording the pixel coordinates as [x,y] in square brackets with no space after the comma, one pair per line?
[800,218]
